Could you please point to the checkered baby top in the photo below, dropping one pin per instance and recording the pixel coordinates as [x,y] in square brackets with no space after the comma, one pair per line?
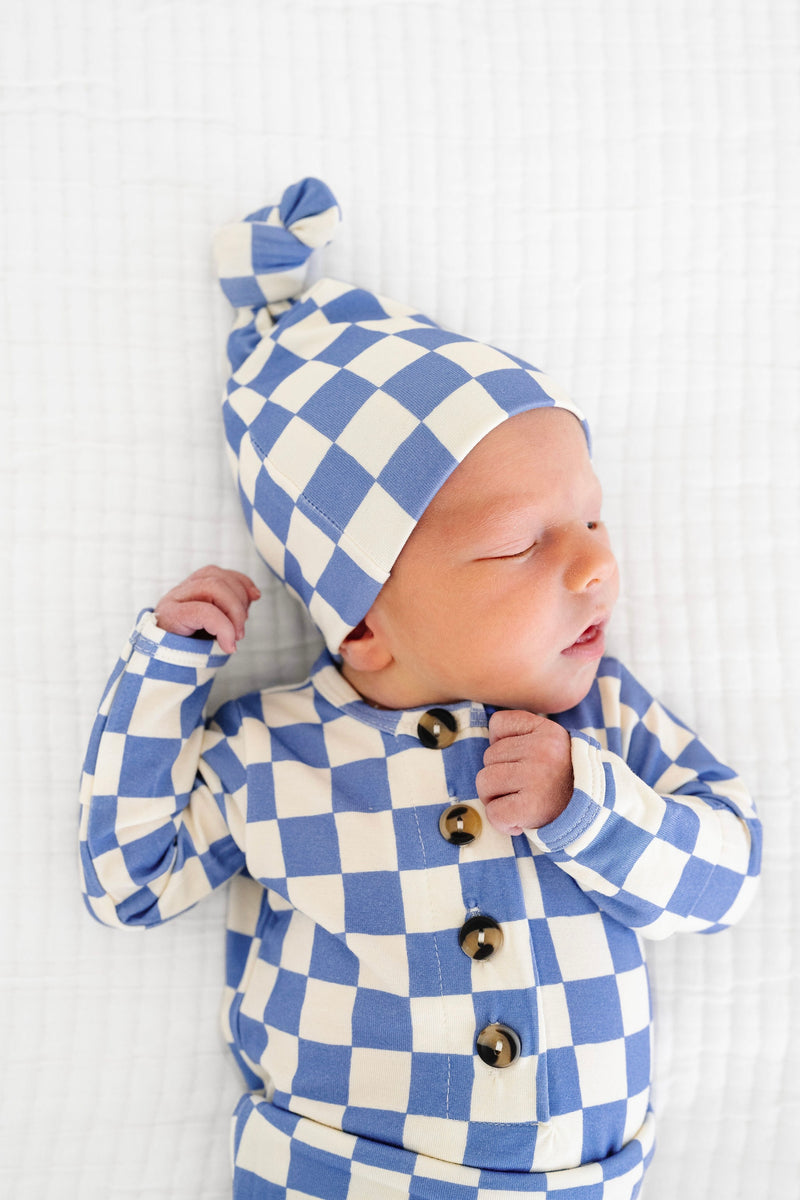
[346,411]
[420,1005]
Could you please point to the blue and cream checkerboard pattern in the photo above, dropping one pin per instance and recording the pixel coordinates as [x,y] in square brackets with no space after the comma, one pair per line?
[349,1001]
[345,411]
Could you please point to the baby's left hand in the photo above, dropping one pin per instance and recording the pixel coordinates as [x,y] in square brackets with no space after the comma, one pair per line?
[527,778]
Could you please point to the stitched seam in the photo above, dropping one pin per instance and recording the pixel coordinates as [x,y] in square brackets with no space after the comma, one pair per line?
[281,476]
[438,960]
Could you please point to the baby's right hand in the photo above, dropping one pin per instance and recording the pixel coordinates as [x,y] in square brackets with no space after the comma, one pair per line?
[213,600]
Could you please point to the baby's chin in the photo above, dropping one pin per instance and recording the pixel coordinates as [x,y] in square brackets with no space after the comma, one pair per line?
[550,701]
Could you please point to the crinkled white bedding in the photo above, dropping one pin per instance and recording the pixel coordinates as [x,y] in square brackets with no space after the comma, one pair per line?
[608,188]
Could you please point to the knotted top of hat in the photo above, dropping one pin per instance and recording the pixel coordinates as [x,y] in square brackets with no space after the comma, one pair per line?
[345,411]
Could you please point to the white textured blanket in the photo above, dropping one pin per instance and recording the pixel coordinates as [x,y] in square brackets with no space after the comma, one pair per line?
[609,189]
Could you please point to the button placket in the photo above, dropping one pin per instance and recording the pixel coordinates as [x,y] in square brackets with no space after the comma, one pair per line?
[480,936]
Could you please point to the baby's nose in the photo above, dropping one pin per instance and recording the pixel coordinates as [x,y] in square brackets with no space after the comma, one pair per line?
[591,563]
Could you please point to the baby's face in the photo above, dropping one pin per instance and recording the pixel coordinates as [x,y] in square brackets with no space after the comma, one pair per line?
[503,592]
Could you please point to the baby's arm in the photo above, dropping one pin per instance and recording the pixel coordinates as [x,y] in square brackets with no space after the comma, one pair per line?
[659,833]
[160,824]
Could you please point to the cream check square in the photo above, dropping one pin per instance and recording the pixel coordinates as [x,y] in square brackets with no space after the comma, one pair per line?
[555,1016]
[269,546]
[321,897]
[602,1072]
[348,741]
[634,999]
[286,708]
[385,358]
[259,988]
[443,1024]
[375,528]
[298,945]
[380,1079]
[307,542]
[499,1096]
[379,427]
[581,946]
[366,841]
[432,899]
[438,1139]
[654,874]
[293,392]
[298,452]
[511,966]
[283,1054]
[464,417]
[564,1130]
[249,466]
[311,336]
[382,961]
[109,764]
[301,791]
[327,1013]
[413,773]
[281,285]
[113,869]
[477,357]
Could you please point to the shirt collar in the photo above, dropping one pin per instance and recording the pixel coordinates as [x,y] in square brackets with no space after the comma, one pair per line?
[332,685]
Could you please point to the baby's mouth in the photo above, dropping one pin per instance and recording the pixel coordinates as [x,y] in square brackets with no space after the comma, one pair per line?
[590,643]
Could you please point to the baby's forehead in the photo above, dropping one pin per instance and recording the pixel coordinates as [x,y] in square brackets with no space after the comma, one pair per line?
[536,437]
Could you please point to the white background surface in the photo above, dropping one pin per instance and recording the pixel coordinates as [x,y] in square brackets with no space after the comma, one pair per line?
[607,188]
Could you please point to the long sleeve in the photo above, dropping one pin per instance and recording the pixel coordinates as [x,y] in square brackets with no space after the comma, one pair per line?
[659,833]
[158,790]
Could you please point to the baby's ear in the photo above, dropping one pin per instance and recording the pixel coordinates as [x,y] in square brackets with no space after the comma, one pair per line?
[364,650]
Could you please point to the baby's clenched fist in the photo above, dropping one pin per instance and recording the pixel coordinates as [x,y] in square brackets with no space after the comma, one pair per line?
[526,780]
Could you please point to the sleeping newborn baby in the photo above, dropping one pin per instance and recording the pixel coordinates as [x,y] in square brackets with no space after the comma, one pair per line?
[448,845]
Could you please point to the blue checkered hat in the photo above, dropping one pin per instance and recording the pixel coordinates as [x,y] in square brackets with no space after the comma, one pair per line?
[345,412]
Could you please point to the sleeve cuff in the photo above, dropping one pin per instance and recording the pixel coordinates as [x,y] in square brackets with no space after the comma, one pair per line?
[585,807]
[151,641]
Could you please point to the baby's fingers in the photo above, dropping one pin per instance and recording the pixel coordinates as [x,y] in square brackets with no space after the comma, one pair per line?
[194,616]
[231,591]
[513,723]
[498,779]
[211,600]
[508,814]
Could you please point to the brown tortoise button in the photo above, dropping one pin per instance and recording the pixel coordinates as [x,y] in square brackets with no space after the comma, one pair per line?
[437,729]
[460,824]
[480,936]
[498,1045]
